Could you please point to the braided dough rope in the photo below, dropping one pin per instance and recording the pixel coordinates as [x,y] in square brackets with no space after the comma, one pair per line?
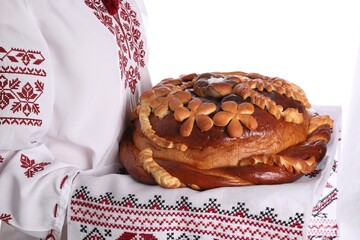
[162,177]
[281,86]
[291,164]
[245,87]
[253,80]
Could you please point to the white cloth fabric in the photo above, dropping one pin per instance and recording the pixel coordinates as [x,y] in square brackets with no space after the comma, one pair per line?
[69,75]
[349,167]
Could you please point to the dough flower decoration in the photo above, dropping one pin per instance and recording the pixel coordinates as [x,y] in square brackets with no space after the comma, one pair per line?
[161,105]
[198,112]
[156,100]
[234,116]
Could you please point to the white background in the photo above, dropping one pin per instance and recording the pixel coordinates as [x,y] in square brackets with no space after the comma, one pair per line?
[314,44]
[311,43]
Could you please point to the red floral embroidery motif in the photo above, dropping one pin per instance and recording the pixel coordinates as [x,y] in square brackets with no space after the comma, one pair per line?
[2,159]
[30,166]
[24,100]
[128,37]
[5,218]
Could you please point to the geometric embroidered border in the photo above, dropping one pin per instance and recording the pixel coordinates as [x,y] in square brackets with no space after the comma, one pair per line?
[323,223]
[324,202]
[323,228]
[171,221]
[21,95]
[23,58]
[24,70]
[20,121]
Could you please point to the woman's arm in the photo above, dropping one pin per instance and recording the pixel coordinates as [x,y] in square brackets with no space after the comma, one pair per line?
[34,187]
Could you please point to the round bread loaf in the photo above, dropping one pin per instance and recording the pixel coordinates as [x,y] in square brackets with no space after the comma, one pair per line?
[223,129]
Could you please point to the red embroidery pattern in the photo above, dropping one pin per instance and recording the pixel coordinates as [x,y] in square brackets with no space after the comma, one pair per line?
[135,236]
[63,181]
[323,224]
[2,159]
[323,229]
[112,6]
[30,166]
[21,99]
[324,202]
[24,100]
[50,236]
[313,174]
[20,121]
[96,234]
[21,57]
[56,208]
[125,27]
[211,220]
[5,218]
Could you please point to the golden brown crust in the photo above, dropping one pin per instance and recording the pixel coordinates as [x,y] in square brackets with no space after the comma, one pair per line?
[223,129]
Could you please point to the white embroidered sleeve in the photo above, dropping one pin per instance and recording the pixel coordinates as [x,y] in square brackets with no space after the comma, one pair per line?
[34,187]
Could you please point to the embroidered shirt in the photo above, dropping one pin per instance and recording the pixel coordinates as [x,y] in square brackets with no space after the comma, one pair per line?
[70,72]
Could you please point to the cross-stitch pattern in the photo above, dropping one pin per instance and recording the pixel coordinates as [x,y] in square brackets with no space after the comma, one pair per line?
[125,27]
[161,220]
